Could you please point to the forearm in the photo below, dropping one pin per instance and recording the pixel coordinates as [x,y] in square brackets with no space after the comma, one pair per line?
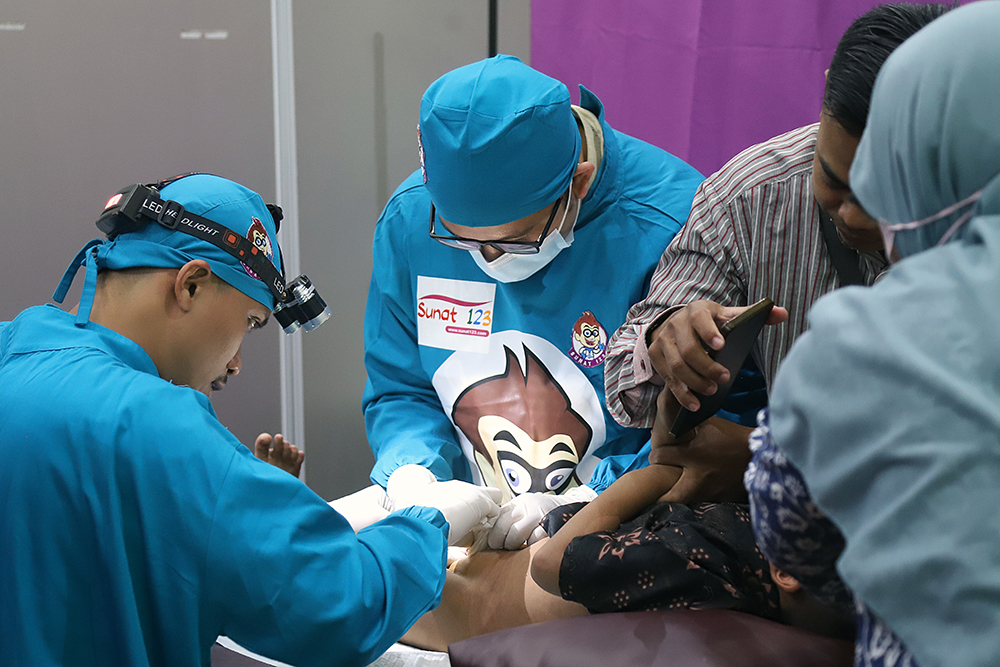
[688,271]
[630,383]
[405,428]
[404,420]
[622,501]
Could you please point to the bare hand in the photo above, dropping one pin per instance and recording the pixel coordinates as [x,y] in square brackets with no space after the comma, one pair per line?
[279,452]
[713,456]
[679,348]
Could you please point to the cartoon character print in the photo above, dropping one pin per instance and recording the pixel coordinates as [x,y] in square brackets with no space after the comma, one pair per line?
[590,341]
[257,235]
[524,432]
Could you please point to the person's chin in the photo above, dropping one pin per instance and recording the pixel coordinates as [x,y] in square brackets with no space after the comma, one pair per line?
[859,241]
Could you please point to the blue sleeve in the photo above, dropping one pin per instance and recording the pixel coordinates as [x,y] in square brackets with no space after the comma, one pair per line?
[403,416]
[612,467]
[295,583]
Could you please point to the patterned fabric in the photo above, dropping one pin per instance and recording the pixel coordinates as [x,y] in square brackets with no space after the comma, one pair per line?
[750,223]
[672,555]
[792,532]
[876,644]
[795,535]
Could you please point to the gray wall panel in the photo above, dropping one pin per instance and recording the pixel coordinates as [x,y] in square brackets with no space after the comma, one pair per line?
[361,66]
[97,95]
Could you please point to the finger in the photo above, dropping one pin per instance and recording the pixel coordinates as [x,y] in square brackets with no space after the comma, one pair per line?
[515,538]
[682,394]
[520,531]
[537,534]
[687,359]
[668,406]
[777,316]
[498,534]
[705,317]
[683,491]
[670,451]
[262,445]
[670,364]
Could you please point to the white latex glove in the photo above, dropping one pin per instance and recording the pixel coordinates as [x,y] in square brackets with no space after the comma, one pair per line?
[363,508]
[464,505]
[519,522]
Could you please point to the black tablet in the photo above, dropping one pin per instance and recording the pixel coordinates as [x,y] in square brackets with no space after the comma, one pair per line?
[740,333]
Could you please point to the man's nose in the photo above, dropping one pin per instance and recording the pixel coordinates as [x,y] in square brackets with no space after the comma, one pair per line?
[233,367]
[854,215]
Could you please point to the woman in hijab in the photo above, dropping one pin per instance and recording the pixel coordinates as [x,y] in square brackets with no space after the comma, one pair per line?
[890,404]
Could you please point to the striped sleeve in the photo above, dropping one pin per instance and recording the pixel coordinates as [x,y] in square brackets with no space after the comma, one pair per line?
[752,233]
[698,264]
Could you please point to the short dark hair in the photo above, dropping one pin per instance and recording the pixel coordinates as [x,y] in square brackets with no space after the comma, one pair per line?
[860,54]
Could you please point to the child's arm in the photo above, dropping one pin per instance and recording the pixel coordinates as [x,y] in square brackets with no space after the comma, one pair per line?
[623,500]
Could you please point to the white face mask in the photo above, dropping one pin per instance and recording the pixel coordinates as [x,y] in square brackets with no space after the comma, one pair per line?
[511,268]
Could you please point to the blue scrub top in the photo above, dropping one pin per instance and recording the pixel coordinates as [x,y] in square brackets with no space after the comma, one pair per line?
[640,198]
[136,529]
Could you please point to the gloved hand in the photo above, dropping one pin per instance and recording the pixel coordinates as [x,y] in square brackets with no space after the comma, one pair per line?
[363,508]
[464,505]
[520,517]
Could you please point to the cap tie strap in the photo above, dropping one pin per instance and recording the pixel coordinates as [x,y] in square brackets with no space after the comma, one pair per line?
[88,256]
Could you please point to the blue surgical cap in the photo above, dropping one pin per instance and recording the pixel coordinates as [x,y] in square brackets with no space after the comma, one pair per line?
[498,142]
[218,199]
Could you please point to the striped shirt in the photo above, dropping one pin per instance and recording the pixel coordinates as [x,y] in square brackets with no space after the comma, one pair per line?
[753,232]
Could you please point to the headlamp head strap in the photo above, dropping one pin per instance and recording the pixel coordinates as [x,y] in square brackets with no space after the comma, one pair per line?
[125,211]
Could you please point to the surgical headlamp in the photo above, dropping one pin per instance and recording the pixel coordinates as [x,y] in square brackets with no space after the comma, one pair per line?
[297,304]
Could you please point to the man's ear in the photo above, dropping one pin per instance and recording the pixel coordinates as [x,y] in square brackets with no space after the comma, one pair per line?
[581,179]
[784,581]
[189,281]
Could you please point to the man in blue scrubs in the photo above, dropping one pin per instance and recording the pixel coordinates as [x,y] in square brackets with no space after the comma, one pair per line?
[485,338]
[135,528]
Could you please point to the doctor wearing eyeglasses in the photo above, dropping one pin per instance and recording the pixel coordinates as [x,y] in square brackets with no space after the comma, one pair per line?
[529,219]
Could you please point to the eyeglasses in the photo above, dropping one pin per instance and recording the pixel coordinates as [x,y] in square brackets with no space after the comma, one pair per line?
[512,247]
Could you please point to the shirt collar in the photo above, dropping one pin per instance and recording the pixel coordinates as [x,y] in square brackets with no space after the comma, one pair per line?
[46,328]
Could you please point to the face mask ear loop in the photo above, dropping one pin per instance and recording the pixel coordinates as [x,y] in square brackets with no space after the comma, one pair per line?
[951,230]
[70,274]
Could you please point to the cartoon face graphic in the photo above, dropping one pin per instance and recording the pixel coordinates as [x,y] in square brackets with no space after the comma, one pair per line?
[588,333]
[590,341]
[258,236]
[526,436]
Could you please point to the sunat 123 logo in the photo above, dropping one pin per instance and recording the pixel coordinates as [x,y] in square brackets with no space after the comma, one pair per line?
[467,318]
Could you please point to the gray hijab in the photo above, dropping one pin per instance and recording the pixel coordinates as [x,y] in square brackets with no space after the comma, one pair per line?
[890,403]
[933,134]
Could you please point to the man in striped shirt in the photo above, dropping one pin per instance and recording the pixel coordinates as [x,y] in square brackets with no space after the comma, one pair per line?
[754,232]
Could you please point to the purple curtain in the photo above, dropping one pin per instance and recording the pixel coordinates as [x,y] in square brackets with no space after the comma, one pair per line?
[703,79]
